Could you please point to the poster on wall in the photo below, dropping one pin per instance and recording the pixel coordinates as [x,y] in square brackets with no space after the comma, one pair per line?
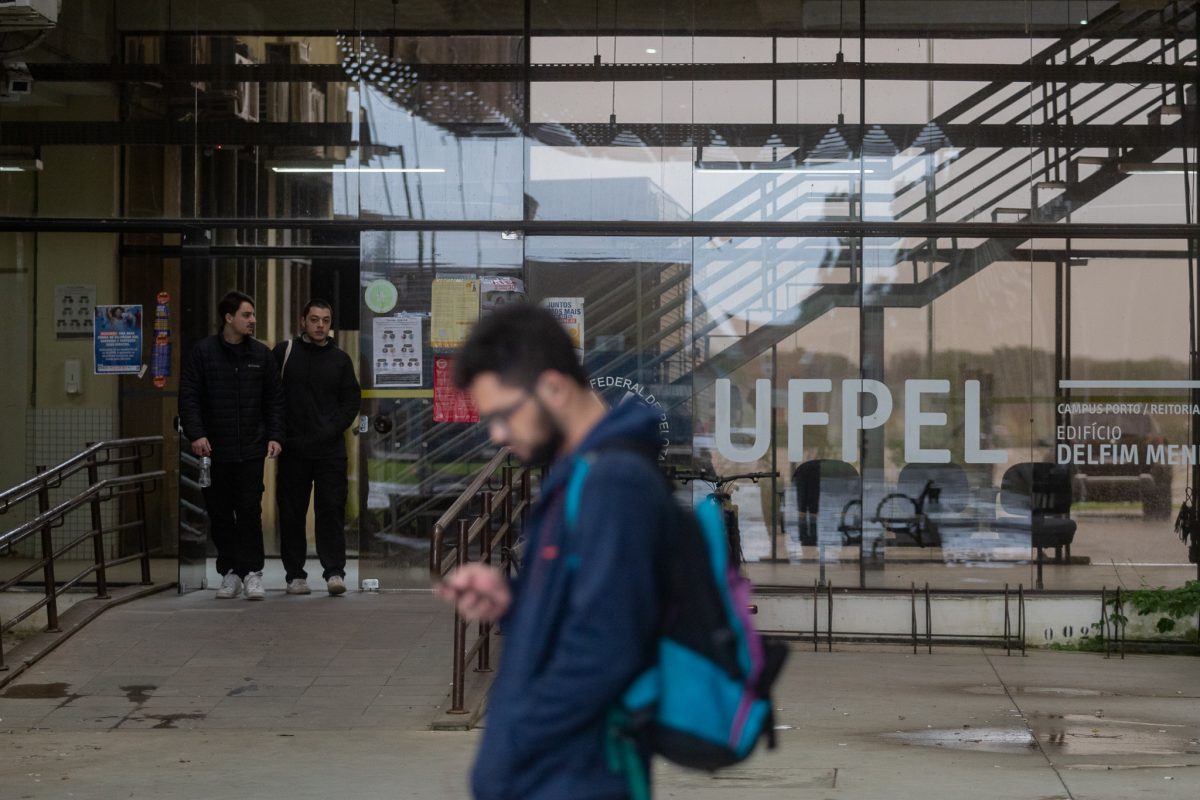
[73,311]
[450,404]
[160,362]
[569,313]
[497,291]
[454,309]
[118,340]
[397,356]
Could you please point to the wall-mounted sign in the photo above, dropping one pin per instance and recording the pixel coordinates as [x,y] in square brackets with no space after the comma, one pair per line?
[381,296]
[569,313]
[397,358]
[450,404]
[160,363]
[454,309]
[73,311]
[118,340]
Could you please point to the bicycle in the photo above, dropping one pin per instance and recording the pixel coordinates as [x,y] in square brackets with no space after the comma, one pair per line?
[722,493]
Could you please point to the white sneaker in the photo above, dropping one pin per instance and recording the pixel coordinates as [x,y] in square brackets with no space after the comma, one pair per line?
[231,587]
[254,587]
[298,586]
[336,585]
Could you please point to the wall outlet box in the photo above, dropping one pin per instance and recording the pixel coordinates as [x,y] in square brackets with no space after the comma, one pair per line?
[72,380]
[370,584]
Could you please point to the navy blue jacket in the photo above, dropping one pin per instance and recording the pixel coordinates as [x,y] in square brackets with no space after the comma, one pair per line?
[575,638]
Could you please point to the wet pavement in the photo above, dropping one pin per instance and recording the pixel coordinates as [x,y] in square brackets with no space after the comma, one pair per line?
[299,697]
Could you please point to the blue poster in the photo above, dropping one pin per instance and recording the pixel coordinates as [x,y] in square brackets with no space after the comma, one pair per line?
[118,337]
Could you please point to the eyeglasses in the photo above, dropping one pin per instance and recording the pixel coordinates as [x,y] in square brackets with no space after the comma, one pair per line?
[502,416]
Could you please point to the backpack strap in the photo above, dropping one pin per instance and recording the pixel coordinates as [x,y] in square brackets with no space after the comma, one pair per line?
[286,355]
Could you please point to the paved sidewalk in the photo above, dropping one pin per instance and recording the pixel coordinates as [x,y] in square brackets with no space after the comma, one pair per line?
[313,697]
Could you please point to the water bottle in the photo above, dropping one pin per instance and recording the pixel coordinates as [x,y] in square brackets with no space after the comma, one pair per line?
[205,472]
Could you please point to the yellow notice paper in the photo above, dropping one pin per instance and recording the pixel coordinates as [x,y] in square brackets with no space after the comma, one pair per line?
[455,308]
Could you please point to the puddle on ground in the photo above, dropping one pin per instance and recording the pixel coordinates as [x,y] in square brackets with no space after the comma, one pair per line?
[38,691]
[983,740]
[1070,735]
[138,692]
[167,721]
[1052,691]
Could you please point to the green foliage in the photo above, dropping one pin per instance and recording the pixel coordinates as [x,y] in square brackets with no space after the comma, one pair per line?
[1171,604]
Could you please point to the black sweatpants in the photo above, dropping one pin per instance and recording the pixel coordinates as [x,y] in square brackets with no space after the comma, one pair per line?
[234,502]
[295,480]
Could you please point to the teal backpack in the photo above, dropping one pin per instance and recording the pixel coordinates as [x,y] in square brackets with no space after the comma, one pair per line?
[706,702]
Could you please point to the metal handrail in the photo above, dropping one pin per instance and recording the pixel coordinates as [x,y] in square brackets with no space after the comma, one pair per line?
[54,476]
[512,502]
[135,485]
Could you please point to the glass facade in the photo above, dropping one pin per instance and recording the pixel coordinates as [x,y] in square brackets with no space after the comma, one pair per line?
[928,265]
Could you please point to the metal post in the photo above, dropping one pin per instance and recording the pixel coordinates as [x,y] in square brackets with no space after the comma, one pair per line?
[1104,622]
[913,598]
[48,561]
[928,621]
[816,600]
[1120,623]
[457,688]
[93,473]
[506,553]
[1040,560]
[1021,615]
[1007,624]
[143,533]
[485,628]
[829,609]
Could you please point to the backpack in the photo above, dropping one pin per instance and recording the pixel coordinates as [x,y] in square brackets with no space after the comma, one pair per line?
[706,702]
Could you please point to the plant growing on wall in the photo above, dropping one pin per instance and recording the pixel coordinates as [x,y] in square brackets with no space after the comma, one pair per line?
[1172,605]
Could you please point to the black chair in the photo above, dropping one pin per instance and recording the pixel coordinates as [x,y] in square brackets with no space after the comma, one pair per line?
[1040,494]
[829,502]
[940,499]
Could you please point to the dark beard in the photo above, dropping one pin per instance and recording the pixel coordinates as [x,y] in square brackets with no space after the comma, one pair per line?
[543,454]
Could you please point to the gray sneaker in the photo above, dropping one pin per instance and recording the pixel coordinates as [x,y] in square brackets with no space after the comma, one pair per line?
[231,587]
[336,585]
[254,587]
[298,586]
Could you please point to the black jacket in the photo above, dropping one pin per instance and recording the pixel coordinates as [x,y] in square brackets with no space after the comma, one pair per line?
[322,398]
[232,395]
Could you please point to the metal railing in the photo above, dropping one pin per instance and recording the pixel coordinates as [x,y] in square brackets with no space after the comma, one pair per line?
[482,531]
[126,456]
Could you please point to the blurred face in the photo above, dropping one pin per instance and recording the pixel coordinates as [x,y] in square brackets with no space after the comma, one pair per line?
[517,418]
[317,324]
[242,322]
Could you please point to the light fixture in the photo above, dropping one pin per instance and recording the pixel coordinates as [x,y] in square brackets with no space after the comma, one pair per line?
[1165,168]
[370,170]
[20,165]
[651,50]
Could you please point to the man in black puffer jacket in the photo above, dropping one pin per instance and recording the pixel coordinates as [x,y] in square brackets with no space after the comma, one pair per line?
[231,408]
[323,400]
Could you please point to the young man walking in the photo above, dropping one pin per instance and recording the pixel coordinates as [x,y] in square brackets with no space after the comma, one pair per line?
[580,624]
[323,399]
[231,409]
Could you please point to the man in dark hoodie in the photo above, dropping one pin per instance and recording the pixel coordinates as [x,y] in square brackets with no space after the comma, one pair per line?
[323,399]
[580,622]
[231,409]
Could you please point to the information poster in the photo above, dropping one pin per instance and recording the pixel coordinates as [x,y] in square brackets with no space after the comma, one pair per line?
[450,404]
[454,309]
[569,313]
[73,311]
[499,291]
[397,355]
[118,340]
[160,363]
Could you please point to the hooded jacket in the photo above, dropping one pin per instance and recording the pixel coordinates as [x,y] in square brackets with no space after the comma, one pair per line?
[576,637]
[322,397]
[230,394]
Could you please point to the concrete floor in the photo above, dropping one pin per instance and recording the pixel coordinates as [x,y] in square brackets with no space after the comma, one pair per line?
[313,697]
